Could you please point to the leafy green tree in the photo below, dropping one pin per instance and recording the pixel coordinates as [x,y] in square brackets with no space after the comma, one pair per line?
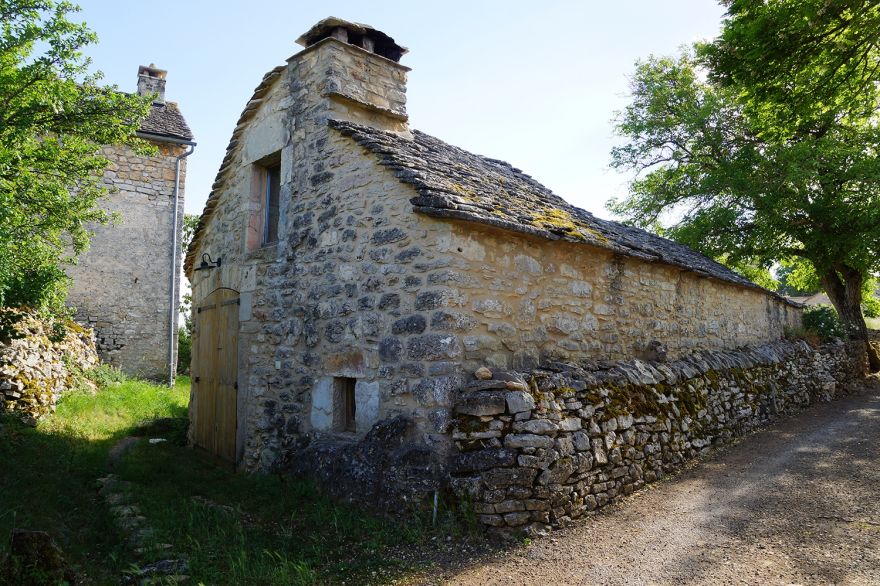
[54,117]
[746,187]
[797,278]
[797,62]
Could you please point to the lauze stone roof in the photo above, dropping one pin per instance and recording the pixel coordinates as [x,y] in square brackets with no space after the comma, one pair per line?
[453,183]
[166,120]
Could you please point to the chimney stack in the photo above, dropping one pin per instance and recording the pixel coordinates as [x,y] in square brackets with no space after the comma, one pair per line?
[358,68]
[353,33]
[151,80]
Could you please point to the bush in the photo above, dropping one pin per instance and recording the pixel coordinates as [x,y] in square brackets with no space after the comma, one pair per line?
[871,306]
[184,350]
[823,320]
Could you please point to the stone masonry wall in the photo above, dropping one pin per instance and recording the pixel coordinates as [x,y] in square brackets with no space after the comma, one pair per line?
[121,285]
[520,300]
[544,447]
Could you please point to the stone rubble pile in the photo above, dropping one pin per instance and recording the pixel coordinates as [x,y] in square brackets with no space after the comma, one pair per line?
[38,361]
[539,449]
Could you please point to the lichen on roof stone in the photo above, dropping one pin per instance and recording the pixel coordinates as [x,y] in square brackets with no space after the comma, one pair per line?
[454,183]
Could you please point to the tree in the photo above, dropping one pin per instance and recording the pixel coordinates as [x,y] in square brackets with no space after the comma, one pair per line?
[799,61]
[797,278]
[185,331]
[54,117]
[741,185]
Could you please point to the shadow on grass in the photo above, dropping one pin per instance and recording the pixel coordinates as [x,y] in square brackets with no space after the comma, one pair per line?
[47,483]
[232,528]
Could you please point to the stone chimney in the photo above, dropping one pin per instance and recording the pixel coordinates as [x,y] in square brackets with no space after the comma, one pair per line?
[357,67]
[151,80]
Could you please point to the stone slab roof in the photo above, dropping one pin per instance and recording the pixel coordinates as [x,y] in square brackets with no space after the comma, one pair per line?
[454,183]
[166,120]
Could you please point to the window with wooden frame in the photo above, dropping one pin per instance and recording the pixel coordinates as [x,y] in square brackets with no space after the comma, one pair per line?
[264,202]
[271,202]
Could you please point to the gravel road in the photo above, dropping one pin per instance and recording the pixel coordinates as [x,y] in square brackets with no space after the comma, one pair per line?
[797,503]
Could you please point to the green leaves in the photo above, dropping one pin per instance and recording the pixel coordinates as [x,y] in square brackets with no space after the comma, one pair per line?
[54,119]
[798,63]
[762,147]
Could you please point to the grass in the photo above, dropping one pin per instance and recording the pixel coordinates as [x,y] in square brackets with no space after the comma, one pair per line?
[233,528]
[873,322]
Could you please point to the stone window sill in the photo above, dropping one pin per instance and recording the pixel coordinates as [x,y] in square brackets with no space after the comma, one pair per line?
[264,254]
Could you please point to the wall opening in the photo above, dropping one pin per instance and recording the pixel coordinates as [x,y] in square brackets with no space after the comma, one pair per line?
[271,202]
[265,202]
[345,406]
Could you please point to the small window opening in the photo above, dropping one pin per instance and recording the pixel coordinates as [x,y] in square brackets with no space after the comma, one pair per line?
[345,408]
[271,201]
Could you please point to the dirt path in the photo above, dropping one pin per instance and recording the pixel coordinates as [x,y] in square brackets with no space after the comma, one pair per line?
[798,503]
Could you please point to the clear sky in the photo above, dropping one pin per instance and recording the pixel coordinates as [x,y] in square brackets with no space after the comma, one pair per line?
[534,83]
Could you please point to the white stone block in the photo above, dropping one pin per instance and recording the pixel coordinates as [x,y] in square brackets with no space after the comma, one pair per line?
[322,404]
[366,398]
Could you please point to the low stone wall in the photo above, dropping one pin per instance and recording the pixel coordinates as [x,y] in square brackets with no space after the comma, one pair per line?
[542,448]
[36,361]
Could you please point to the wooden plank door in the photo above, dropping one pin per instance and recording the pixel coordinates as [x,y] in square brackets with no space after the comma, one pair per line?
[214,398]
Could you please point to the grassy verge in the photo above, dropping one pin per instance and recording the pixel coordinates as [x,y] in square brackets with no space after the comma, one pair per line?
[233,528]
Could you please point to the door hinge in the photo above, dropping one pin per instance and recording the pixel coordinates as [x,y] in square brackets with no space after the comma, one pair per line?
[235,386]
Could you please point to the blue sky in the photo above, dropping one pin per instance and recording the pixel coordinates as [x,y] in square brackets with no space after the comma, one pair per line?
[534,83]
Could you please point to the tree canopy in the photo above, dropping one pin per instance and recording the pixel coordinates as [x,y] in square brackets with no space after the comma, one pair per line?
[748,168]
[54,117]
[799,61]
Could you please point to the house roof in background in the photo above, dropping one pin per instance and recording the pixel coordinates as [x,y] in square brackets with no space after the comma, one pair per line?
[166,120]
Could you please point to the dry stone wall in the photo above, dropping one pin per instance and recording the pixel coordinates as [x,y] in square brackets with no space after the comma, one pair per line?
[122,285]
[541,448]
[37,362]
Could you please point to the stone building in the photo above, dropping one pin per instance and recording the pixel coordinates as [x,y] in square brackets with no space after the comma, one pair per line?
[126,286]
[350,274]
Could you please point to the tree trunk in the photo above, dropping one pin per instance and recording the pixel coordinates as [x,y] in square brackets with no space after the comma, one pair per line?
[844,288]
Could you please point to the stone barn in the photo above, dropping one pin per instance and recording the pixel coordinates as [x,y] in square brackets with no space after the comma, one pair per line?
[350,275]
[126,286]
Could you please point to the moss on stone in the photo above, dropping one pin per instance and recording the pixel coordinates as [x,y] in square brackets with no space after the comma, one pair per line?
[557,220]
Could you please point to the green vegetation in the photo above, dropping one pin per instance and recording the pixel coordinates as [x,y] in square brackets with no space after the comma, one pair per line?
[823,321]
[233,528]
[54,119]
[185,332]
[762,146]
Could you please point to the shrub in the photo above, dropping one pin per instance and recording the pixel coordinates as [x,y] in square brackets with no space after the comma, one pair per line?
[824,321]
[871,306]
[184,350]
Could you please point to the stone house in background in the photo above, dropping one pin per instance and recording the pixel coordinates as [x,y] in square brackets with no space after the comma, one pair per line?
[126,286]
[350,274]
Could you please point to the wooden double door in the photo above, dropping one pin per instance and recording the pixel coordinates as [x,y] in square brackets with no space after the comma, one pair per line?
[214,396]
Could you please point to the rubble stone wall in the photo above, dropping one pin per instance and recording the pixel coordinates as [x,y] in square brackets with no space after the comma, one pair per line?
[528,299]
[36,361]
[541,448]
[122,285]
